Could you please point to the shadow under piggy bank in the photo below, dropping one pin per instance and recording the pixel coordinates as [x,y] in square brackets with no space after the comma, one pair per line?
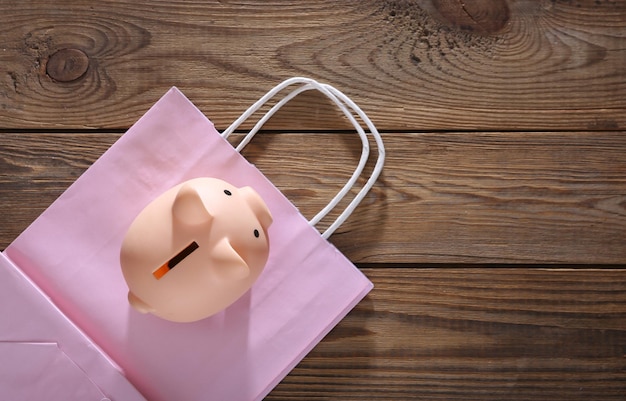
[212,345]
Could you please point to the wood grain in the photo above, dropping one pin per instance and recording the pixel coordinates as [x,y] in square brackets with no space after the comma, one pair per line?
[443,197]
[474,334]
[504,124]
[412,65]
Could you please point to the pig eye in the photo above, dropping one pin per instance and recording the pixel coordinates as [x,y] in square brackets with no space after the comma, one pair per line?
[256,233]
[227,192]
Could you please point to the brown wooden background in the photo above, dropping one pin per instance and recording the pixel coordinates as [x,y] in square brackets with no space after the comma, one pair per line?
[496,235]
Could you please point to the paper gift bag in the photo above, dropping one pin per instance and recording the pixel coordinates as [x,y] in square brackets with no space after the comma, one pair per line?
[71,252]
[43,355]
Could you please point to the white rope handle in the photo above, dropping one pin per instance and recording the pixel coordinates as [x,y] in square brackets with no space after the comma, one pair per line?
[343,102]
[308,84]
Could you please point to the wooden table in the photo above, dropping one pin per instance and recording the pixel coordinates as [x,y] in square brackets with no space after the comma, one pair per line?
[496,236]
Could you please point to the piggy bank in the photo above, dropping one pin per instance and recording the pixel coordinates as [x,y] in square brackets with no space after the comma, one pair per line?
[195,249]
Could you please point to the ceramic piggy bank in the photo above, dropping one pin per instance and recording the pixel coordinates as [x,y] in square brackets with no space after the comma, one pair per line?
[195,249]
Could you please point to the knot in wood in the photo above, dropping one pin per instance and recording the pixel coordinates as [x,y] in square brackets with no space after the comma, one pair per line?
[67,65]
[480,16]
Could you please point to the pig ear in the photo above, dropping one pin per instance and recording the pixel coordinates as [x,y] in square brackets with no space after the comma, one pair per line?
[189,208]
[258,206]
[229,265]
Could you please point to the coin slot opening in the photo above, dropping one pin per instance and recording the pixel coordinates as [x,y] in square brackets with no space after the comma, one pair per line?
[179,257]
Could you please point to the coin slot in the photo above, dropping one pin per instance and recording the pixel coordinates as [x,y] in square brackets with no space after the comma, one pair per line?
[179,257]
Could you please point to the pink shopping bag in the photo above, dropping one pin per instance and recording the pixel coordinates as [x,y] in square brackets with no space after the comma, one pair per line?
[43,355]
[71,254]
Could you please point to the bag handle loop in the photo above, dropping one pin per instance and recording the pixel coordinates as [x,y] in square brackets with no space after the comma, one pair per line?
[345,104]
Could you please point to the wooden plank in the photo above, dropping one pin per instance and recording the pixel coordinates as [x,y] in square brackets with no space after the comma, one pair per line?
[435,64]
[474,334]
[443,197]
